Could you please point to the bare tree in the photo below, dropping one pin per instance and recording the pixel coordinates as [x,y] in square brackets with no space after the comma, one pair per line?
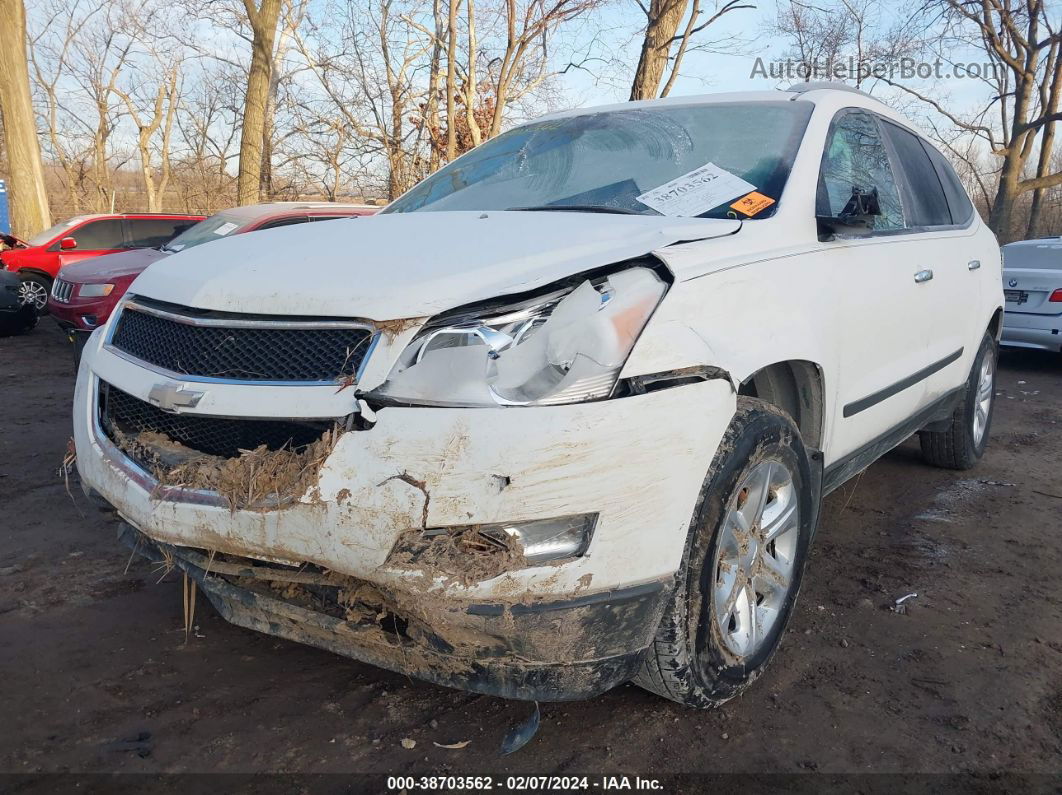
[263,19]
[1050,91]
[29,202]
[162,107]
[1022,42]
[453,7]
[663,18]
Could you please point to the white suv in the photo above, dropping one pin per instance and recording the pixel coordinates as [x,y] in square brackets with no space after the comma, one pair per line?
[564,414]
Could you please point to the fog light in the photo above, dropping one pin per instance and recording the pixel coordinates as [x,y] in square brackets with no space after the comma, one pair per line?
[541,540]
[549,539]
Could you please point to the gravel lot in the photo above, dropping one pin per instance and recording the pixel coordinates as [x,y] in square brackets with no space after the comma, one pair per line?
[96,676]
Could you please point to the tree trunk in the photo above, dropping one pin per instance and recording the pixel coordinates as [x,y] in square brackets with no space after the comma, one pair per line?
[1043,168]
[471,86]
[431,113]
[29,202]
[252,135]
[1051,95]
[660,30]
[1001,215]
[451,81]
[99,159]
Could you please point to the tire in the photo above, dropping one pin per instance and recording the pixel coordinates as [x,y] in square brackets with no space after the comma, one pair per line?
[963,443]
[35,288]
[80,341]
[19,323]
[694,659]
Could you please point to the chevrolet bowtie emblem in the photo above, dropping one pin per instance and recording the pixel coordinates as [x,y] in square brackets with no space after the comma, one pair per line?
[172,397]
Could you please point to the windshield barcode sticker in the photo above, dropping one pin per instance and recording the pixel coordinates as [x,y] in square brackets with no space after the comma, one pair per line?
[696,192]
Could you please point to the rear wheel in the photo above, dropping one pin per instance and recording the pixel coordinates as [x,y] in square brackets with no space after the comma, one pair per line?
[963,443]
[743,563]
[34,291]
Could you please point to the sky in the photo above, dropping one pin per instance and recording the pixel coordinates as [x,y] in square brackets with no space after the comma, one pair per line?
[617,26]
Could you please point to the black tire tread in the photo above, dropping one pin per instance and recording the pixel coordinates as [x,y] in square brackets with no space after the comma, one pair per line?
[953,448]
[948,449]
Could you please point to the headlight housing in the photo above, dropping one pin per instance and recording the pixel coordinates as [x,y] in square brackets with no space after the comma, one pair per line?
[564,347]
[94,290]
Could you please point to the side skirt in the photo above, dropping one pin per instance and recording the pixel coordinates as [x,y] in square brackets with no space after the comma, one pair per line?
[839,472]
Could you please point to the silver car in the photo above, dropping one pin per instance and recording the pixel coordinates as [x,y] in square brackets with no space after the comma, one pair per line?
[1032,284]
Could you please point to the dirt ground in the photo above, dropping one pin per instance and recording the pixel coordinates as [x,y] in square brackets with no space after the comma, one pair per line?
[95,675]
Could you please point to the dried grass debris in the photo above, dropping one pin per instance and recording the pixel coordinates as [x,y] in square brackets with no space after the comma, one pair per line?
[254,479]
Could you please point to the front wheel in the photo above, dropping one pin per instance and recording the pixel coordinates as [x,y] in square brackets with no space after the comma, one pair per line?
[34,291]
[963,443]
[743,563]
[18,322]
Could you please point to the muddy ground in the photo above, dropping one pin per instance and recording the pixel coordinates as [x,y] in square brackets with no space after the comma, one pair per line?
[969,679]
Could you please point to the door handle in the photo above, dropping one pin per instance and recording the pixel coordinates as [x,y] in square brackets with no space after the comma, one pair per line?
[923,276]
[973,264]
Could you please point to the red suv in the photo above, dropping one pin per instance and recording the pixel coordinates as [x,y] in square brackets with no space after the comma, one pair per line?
[84,295]
[38,260]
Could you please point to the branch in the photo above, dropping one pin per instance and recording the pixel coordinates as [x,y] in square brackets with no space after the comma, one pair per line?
[1037,183]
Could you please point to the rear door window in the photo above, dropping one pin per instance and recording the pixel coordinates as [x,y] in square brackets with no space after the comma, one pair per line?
[154,232]
[99,235]
[855,158]
[958,202]
[923,195]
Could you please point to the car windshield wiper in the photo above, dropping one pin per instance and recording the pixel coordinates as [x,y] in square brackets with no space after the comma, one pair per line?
[575,208]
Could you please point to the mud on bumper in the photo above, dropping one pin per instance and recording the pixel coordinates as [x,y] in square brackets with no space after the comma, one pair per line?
[565,650]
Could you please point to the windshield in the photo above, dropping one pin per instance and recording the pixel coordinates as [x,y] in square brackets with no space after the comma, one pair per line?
[213,228]
[611,161]
[41,238]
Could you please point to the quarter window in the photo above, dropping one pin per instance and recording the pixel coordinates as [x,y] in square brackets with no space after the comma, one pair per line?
[923,195]
[855,158]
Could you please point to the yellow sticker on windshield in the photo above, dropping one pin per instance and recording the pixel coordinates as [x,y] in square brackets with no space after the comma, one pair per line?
[752,203]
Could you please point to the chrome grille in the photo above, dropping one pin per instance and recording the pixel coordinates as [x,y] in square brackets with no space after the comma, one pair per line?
[121,414]
[238,347]
[61,291]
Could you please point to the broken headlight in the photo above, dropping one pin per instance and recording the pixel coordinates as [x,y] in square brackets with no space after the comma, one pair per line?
[564,347]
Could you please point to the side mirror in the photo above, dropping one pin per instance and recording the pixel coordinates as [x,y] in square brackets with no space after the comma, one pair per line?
[862,205]
[858,212]
[67,243]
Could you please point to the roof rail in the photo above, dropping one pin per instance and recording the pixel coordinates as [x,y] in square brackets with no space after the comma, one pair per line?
[821,85]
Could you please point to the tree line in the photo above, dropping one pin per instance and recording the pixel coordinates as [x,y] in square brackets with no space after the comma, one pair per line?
[195,105]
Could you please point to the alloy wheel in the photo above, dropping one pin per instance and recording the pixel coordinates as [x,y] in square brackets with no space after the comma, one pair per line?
[33,292]
[986,389]
[755,558]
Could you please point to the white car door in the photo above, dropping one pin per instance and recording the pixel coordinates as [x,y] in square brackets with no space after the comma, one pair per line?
[944,252]
[883,314]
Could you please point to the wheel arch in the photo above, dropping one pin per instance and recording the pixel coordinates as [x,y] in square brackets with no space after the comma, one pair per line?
[995,325]
[36,272]
[797,387]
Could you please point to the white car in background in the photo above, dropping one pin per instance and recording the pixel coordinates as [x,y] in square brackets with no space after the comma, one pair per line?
[1032,285]
[562,416]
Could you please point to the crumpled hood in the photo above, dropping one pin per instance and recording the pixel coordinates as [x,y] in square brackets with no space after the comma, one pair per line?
[405,265]
[111,266]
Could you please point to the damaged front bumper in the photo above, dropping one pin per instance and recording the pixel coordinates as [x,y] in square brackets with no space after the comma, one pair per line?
[563,629]
[597,640]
